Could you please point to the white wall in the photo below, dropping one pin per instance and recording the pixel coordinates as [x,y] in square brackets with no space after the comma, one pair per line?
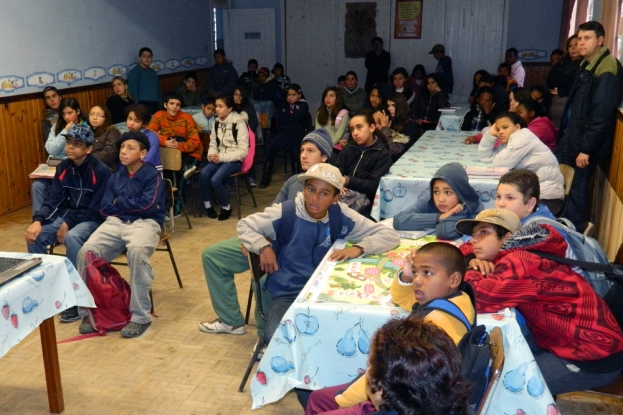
[473,33]
[51,36]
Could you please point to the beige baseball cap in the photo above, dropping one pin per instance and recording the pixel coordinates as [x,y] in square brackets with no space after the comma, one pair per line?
[325,172]
[502,217]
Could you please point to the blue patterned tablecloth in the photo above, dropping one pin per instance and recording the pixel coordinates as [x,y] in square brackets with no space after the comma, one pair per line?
[409,177]
[323,344]
[40,293]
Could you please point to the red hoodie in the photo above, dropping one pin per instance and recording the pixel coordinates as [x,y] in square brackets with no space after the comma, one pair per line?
[561,309]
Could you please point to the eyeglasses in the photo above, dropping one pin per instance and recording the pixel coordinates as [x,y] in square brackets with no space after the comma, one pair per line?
[97,115]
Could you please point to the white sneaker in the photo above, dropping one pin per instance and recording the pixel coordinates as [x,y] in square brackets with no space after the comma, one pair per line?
[190,172]
[217,327]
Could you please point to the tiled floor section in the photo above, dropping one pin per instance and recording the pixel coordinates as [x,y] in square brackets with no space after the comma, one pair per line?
[173,368]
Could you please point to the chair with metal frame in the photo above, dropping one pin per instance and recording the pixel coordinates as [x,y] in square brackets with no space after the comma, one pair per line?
[496,339]
[172,161]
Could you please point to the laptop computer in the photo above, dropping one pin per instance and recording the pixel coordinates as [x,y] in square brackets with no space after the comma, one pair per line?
[14,267]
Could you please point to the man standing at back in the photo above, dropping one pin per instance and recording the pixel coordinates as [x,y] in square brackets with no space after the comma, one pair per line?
[222,78]
[444,68]
[587,128]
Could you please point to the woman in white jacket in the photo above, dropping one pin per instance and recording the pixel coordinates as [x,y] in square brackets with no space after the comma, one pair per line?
[508,143]
[229,145]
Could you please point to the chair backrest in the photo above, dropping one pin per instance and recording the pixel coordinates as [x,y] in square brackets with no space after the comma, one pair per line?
[205,140]
[257,273]
[497,357]
[171,158]
[567,175]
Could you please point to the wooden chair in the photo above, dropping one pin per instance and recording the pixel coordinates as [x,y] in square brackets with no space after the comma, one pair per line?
[567,175]
[172,161]
[497,357]
[257,274]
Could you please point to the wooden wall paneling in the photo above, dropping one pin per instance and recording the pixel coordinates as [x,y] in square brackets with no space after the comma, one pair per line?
[536,73]
[615,170]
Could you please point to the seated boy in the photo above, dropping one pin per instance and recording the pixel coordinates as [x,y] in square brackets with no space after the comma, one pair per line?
[572,333]
[311,214]
[137,118]
[248,79]
[225,258]
[134,207]
[434,271]
[205,118]
[481,115]
[518,191]
[177,129]
[71,211]
[451,199]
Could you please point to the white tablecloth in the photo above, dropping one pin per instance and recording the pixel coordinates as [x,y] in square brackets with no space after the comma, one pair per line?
[409,178]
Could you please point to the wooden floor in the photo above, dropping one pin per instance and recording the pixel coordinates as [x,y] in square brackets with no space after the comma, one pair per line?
[173,368]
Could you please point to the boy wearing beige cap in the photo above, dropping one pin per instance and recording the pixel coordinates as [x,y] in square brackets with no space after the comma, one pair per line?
[309,224]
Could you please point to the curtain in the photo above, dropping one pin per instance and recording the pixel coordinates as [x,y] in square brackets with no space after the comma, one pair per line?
[610,17]
[565,23]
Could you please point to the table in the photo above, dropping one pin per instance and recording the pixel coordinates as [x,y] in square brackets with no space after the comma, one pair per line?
[308,351]
[409,177]
[32,300]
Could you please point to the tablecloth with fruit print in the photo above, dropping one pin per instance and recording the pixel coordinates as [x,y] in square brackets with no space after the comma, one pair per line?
[323,344]
[409,177]
[38,294]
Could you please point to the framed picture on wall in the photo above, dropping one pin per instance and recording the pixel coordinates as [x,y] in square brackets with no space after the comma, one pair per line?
[408,19]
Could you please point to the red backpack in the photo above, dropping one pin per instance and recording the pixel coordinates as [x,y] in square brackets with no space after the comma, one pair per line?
[110,292]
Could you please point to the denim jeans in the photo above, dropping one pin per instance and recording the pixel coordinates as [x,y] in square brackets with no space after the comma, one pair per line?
[75,238]
[39,189]
[213,176]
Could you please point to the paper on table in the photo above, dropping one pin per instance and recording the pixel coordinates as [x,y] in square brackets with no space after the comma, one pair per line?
[43,172]
[478,171]
[407,234]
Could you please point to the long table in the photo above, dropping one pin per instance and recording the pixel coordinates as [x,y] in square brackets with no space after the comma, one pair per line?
[322,339]
[32,300]
[409,177]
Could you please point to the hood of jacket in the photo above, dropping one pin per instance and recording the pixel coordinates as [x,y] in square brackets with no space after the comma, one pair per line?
[454,174]
[537,237]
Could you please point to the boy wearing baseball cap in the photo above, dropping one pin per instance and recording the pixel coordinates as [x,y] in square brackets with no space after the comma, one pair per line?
[575,339]
[310,223]
[134,208]
[71,211]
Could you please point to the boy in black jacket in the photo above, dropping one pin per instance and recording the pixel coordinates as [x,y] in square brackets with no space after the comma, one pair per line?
[71,211]
[134,207]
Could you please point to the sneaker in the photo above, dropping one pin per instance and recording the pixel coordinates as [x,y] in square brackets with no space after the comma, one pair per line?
[85,326]
[132,329]
[225,214]
[261,353]
[188,173]
[217,327]
[251,182]
[70,315]
[211,213]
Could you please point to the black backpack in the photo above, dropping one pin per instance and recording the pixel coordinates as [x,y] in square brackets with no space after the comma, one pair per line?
[475,346]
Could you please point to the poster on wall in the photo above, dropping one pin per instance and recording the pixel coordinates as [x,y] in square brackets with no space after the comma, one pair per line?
[408,20]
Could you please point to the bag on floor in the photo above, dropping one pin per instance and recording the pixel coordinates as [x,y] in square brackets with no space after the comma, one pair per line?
[110,292]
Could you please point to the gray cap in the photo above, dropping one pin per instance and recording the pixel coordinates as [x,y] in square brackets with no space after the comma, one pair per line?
[322,140]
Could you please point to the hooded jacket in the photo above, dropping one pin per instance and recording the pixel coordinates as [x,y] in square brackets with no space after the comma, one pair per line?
[565,315]
[364,166]
[140,196]
[76,193]
[222,139]
[524,150]
[268,91]
[309,236]
[425,215]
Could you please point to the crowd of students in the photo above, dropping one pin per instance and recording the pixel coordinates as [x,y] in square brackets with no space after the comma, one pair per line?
[108,196]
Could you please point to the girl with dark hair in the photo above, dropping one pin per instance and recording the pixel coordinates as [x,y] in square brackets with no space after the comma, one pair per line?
[508,143]
[353,96]
[533,114]
[399,83]
[516,95]
[428,110]
[280,76]
[560,79]
[293,121]
[224,156]
[68,115]
[377,100]
[119,99]
[417,80]
[474,94]
[105,136]
[332,115]
[397,127]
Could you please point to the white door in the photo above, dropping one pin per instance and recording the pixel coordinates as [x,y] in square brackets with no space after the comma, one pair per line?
[249,34]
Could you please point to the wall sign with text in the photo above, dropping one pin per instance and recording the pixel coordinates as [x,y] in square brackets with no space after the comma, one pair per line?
[408,20]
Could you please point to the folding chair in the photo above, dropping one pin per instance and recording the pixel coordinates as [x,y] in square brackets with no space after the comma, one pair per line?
[257,274]
[172,161]
[497,357]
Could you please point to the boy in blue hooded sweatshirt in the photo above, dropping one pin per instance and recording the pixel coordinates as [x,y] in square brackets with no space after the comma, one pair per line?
[451,199]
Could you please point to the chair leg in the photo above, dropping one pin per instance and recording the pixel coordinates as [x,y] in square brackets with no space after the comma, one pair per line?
[248,313]
[151,299]
[177,273]
[254,358]
[238,194]
[250,190]
[184,209]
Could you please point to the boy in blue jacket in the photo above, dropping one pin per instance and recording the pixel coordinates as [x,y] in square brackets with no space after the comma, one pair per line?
[71,211]
[134,208]
[451,199]
[309,219]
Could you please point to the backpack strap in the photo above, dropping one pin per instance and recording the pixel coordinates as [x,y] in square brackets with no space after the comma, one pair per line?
[611,272]
[335,221]
[234,132]
[218,142]
[447,307]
